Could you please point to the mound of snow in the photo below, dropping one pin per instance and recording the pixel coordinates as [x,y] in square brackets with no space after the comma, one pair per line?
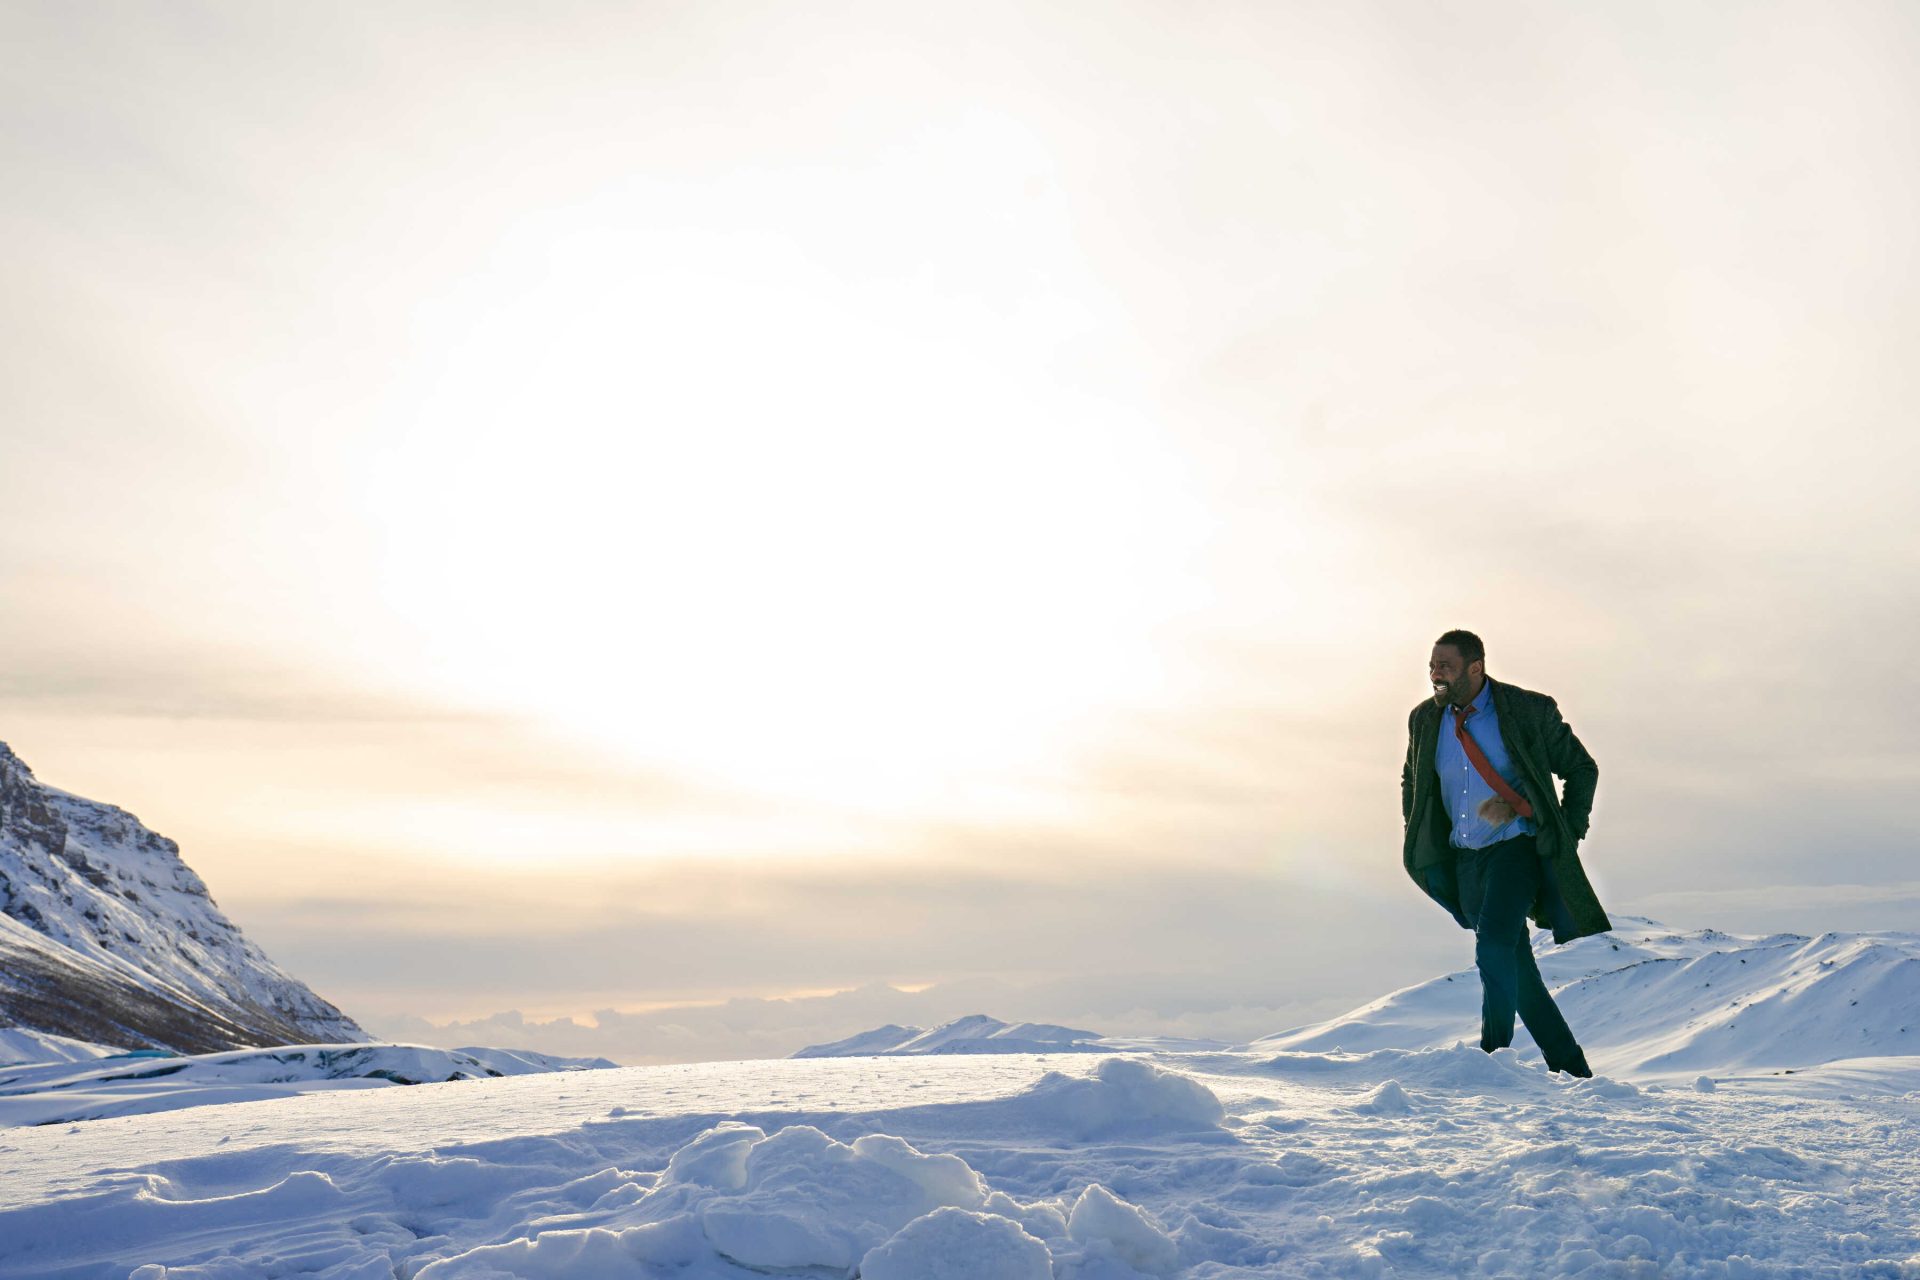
[976,1033]
[786,1201]
[807,1201]
[1124,1095]
[1109,1227]
[736,1199]
[953,1244]
[1388,1099]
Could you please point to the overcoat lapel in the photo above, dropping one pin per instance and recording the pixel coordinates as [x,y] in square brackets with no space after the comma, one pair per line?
[1427,741]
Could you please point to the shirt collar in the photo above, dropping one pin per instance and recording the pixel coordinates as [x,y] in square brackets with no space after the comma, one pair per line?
[1480,700]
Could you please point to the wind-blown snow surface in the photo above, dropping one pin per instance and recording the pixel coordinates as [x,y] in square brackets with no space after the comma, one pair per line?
[1277,1159]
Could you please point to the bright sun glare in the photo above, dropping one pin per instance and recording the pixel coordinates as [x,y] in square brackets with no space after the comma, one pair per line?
[839,542]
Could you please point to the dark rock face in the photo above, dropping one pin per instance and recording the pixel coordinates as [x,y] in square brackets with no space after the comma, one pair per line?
[106,935]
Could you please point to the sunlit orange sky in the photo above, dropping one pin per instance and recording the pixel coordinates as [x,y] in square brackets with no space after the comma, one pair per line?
[578,507]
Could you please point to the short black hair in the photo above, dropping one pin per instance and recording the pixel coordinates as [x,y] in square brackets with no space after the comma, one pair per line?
[1471,650]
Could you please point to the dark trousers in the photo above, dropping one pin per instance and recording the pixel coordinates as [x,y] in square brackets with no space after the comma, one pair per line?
[1497,886]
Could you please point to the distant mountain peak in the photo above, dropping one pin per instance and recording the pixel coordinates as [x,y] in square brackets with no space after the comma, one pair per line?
[106,935]
[975,1033]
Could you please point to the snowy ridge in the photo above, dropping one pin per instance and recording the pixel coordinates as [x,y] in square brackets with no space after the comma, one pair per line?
[107,936]
[123,1084]
[1649,1001]
[18,1044]
[976,1033]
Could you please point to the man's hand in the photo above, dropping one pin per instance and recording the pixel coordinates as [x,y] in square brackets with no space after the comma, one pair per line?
[1495,811]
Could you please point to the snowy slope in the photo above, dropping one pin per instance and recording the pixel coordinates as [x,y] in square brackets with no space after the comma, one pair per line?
[1650,1001]
[18,1044]
[974,1034]
[107,936]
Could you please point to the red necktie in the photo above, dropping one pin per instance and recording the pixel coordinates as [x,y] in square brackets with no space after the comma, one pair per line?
[1516,801]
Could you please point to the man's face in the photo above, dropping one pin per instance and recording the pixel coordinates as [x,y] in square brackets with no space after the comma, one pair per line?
[1453,676]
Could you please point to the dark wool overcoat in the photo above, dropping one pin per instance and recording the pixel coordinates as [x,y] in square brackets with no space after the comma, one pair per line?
[1541,747]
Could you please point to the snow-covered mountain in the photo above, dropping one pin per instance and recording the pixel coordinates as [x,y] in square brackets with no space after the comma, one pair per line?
[976,1033]
[106,936]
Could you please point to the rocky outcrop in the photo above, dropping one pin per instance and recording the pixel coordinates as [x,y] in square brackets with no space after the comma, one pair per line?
[106,935]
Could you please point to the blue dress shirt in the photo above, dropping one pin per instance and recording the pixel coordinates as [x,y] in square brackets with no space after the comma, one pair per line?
[1461,785]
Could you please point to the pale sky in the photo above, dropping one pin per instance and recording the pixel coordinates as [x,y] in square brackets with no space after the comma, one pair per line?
[576,507]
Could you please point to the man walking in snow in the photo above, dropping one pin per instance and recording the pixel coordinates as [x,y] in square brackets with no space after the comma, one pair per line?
[1489,839]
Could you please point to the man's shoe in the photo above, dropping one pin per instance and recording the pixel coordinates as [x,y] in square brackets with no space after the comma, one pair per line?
[1575,1066]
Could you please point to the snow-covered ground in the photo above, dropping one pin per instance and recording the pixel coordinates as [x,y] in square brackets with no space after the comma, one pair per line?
[1700,1151]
